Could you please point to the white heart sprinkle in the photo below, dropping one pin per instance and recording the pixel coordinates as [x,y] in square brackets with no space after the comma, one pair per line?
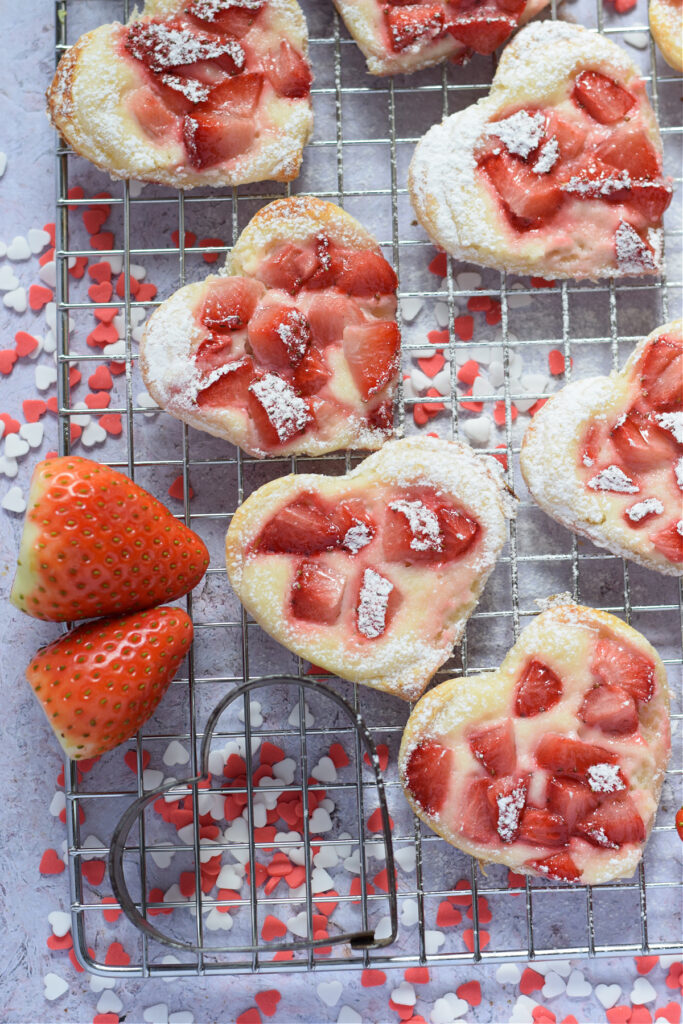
[419,380]
[447,1009]
[93,434]
[16,300]
[508,974]
[522,1012]
[434,941]
[321,881]
[151,778]
[536,383]
[15,446]
[109,1002]
[8,279]
[51,315]
[320,821]
[14,500]
[481,388]
[642,992]
[577,986]
[45,377]
[92,842]
[229,877]
[554,985]
[54,986]
[32,433]
[607,995]
[468,281]
[383,928]
[37,239]
[49,342]
[175,753]
[405,858]
[48,274]
[298,925]
[99,984]
[57,804]
[18,249]
[138,272]
[3,163]
[157,1014]
[442,314]
[135,187]
[115,351]
[308,717]
[254,714]
[496,373]
[326,858]
[442,381]
[162,858]
[409,913]
[325,770]
[80,415]
[347,1015]
[146,402]
[60,922]
[638,40]
[173,895]
[284,771]
[410,307]
[8,467]
[216,921]
[404,995]
[478,430]
[330,992]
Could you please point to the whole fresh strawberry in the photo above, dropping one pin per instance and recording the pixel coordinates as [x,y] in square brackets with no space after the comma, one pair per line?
[95,543]
[100,682]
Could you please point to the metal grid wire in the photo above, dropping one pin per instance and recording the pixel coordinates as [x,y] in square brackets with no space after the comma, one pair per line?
[341,86]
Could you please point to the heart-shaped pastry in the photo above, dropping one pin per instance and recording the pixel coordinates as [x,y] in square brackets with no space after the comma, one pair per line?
[666,25]
[399,37]
[557,172]
[604,456]
[297,351]
[554,763]
[373,575]
[205,92]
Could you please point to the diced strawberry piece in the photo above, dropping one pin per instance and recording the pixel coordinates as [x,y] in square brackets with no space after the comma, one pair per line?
[288,268]
[571,799]
[609,708]
[230,303]
[279,335]
[528,197]
[543,828]
[207,72]
[650,199]
[641,443]
[352,514]
[589,451]
[317,593]
[511,6]
[213,353]
[232,388]
[382,416]
[459,531]
[301,528]
[662,373]
[277,411]
[613,823]
[630,150]
[289,73]
[312,373]
[231,20]
[154,117]
[494,747]
[372,352]
[507,800]
[416,23]
[616,664]
[560,867]
[212,137]
[238,96]
[538,690]
[602,97]
[568,756]
[570,134]
[477,822]
[483,31]
[328,314]
[412,533]
[669,541]
[364,274]
[428,774]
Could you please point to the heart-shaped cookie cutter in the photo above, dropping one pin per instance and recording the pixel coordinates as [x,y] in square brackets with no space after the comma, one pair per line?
[364,938]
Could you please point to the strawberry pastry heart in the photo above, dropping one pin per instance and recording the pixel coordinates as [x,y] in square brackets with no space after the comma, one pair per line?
[604,456]
[666,25]
[373,575]
[557,172]
[399,36]
[554,763]
[205,92]
[298,352]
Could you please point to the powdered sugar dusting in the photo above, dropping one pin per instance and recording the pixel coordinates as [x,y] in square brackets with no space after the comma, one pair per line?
[164,46]
[372,606]
[510,807]
[679,527]
[207,10]
[672,421]
[678,470]
[548,157]
[357,537]
[287,412]
[598,187]
[294,333]
[633,254]
[651,506]
[605,778]
[613,479]
[520,133]
[195,91]
[423,523]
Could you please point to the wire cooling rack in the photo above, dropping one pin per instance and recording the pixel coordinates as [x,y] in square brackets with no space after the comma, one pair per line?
[365,133]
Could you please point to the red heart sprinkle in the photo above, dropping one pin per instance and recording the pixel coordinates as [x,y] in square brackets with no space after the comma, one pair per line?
[542,1015]
[39,296]
[675,976]
[494,315]
[116,956]
[270,753]
[447,915]
[117,368]
[382,756]
[105,314]
[381,879]
[177,489]
[24,343]
[78,269]
[93,870]
[439,338]
[75,192]
[8,358]
[131,759]
[56,942]
[211,257]
[101,292]
[671,1012]
[101,271]
[468,939]
[556,362]
[404,1012]
[47,257]
[106,1018]
[646,963]
[325,907]
[111,421]
[371,978]
[102,241]
[619,1015]
[133,285]
[537,405]
[417,975]
[190,238]
[640,1015]
[74,377]
[499,412]
[433,365]
[33,409]
[250,1016]
[419,415]
[571,1019]
[11,425]
[146,292]
[462,901]
[267,1001]
[468,372]
[100,380]
[99,400]
[110,914]
[186,884]
[464,327]
[530,981]
[50,228]
[338,756]
[503,459]
[50,863]
[272,928]
[375,821]
[94,218]
[470,992]
[479,303]
[439,265]
[471,406]
[104,334]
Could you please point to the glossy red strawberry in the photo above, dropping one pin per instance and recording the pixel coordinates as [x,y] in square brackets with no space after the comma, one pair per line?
[617,664]
[231,388]
[568,756]
[640,441]
[662,373]
[230,303]
[477,822]
[154,116]
[372,352]
[611,709]
[538,690]
[602,97]
[363,274]
[542,827]
[288,72]
[669,541]
[494,747]
[95,543]
[559,866]
[317,593]
[417,23]
[428,774]
[301,527]
[99,683]
[572,799]
[238,96]
[212,136]
[484,30]
[507,800]
[528,197]
[612,824]
[279,335]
